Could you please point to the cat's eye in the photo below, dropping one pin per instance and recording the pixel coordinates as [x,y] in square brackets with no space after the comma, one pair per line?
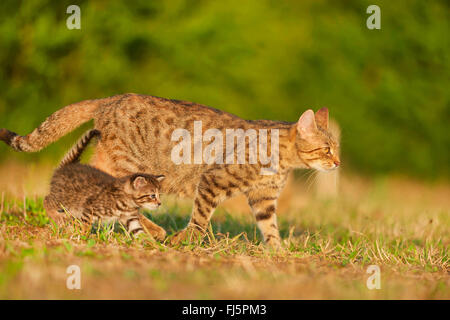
[328,150]
[153,196]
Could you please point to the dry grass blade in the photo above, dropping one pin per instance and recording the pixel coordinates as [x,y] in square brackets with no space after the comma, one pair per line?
[327,248]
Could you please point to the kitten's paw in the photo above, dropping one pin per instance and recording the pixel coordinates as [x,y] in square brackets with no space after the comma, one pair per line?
[153,229]
[58,218]
[188,234]
[160,235]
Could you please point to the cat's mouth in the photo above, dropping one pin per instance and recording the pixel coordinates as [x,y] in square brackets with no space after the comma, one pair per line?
[150,206]
[319,167]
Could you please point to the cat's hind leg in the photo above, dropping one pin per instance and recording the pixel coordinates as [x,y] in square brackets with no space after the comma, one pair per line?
[100,159]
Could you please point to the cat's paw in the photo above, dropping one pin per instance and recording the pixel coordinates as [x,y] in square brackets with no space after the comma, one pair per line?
[188,234]
[274,243]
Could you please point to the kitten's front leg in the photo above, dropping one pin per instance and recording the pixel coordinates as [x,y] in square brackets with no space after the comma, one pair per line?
[152,228]
[55,212]
[264,203]
[131,223]
[136,224]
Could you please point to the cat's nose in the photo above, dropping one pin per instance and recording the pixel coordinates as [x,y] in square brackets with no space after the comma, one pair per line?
[337,163]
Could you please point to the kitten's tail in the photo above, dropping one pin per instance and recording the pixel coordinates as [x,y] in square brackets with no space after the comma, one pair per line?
[55,126]
[75,152]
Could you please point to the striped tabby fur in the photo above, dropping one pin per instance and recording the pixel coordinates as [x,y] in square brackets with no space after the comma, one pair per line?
[136,137]
[89,195]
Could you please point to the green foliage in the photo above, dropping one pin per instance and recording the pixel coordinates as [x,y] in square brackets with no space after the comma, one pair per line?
[32,211]
[387,88]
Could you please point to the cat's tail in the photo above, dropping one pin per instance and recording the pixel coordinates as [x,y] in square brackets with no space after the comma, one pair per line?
[75,152]
[54,127]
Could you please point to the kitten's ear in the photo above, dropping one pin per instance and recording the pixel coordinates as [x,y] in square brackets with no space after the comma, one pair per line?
[322,117]
[139,182]
[160,177]
[306,125]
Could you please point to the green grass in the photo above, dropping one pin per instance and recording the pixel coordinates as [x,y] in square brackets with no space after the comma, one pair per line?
[327,248]
[339,243]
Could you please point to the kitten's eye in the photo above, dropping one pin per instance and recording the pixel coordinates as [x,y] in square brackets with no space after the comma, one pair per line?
[153,196]
[328,150]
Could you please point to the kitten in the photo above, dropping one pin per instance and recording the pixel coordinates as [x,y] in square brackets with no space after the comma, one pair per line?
[137,137]
[88,194]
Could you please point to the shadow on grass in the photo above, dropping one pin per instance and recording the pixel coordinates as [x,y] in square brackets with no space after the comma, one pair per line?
[172,219]
[222,223]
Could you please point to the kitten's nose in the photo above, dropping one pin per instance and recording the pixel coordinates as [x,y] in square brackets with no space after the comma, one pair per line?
[337,163]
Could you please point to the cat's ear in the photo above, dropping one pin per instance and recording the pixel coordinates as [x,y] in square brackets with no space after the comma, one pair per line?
[160,177]
[306,125]
[322,117]
[139,182]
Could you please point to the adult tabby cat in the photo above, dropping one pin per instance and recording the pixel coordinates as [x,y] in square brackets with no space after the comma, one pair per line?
[137,137]
[89,195]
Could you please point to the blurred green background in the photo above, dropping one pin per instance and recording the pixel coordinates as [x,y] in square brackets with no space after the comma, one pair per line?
[388,88]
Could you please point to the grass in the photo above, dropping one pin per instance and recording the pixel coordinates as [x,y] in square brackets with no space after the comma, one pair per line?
[400,225]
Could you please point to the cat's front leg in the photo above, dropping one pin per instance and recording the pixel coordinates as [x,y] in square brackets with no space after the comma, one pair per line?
[210,192]
[264,203]
[205,203]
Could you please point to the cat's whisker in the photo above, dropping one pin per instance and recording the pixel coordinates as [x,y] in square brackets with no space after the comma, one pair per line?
[310,173]
[311,180]
[305,173]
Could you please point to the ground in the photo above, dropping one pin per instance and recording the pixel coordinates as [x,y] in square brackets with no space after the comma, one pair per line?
[398,224]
